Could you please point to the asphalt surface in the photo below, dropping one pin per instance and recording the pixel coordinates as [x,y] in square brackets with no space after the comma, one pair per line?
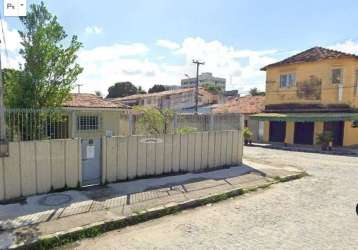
[316,212]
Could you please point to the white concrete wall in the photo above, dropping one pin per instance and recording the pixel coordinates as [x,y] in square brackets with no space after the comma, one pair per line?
[173,153]
[34,167]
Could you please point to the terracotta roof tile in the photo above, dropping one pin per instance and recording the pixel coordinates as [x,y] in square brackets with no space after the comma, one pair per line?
[91,101]
[312,55]
[243,105]
[163,93]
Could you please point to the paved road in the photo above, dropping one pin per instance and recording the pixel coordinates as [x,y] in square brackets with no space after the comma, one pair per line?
[316,212]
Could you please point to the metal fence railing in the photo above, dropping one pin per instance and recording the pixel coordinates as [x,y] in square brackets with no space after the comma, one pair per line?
[32,124]
[40,124]
[43,124]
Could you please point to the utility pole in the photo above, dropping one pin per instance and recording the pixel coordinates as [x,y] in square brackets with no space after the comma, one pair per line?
[2,108]
[79,88]
[197,83]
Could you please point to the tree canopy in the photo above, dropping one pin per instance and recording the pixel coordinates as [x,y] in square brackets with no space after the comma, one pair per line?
[50,68]
[122,89]
[256,92]
[156,88]
[141,90]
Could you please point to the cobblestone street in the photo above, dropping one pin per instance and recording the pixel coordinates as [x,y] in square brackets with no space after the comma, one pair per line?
[315,212]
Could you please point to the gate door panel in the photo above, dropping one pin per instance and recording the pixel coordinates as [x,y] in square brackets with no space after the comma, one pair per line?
[304,133]
[91,150]
[277,131]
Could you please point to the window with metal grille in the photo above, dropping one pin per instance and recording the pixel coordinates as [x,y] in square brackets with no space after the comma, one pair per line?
[88,122]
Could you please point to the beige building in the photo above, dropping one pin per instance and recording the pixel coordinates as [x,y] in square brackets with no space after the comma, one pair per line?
[205,79]
[173,99]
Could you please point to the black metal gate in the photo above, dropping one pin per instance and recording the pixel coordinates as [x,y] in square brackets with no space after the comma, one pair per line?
[304,132]
[277,131]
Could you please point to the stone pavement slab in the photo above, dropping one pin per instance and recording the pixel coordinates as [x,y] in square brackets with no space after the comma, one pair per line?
[72,210]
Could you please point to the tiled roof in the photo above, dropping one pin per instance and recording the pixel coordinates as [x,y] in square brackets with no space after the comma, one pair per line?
[91,101]
[243,105]
[163,93]
[312,55]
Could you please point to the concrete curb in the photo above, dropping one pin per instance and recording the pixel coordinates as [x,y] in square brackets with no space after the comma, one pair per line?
[92,230]
[315,151]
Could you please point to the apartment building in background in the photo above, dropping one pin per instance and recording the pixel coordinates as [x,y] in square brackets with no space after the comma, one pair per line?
[178,99]
[204,79]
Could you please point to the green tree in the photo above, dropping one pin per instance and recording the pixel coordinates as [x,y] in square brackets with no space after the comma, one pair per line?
[122,89]
[256,92]
[156,88]
[11,79]
[212,88]
[98,93]
[50,67]
[141,91]
[154,121]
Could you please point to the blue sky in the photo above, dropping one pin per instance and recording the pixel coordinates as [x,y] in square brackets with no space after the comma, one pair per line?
[150,42]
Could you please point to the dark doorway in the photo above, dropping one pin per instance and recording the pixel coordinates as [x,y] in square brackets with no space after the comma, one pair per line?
[304,133]
[277,131]
[337,131]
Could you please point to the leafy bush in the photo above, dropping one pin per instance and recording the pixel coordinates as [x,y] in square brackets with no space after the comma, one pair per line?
[154,121]
[324,139]
[247,134]
[186,130]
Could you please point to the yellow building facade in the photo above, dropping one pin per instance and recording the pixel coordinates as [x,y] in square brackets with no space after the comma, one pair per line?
[310,93]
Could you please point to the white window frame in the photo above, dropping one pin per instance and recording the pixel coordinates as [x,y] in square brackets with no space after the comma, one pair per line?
[289,82]
[88,122]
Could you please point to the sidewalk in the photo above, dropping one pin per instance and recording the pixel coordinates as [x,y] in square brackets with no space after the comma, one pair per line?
[55,216]
[347,151]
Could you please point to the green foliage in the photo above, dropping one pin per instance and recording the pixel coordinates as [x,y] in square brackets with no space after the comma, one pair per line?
[247,134]
[11,79]
[186,130]
[256,92]
[324,138]
[141,91]
[154,121]
[122,89]
[50,68]
[168,116]
[151,120]
[212,88]
[156,88]
[98,93]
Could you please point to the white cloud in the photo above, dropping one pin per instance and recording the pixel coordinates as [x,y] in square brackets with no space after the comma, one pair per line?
[104,66]
[93,30]
[168,44]
[348,46]
[115,51]
[12,38]
[224,61]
